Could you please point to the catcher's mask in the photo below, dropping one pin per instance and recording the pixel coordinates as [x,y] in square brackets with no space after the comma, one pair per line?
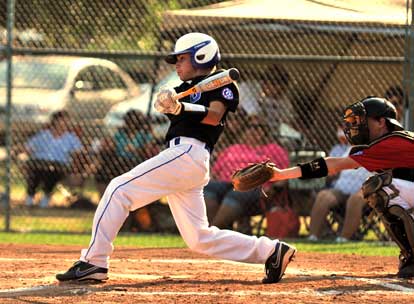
[355,118]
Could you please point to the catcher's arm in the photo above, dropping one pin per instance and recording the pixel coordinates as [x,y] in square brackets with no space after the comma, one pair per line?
[283,174]
[314,169]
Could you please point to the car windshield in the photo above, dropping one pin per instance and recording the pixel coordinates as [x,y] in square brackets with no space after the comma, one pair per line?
[37,75]
[172,80]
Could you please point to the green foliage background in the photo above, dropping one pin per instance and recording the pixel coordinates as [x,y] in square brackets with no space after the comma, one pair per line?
[93,25]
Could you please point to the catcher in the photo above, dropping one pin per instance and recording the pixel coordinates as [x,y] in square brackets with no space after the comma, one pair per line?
[381,145]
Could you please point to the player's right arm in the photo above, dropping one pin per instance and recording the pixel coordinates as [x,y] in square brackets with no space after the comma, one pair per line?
[333,166]
[337,164]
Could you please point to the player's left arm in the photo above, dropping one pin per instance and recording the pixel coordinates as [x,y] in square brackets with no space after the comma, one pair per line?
[317,168]
[215,113]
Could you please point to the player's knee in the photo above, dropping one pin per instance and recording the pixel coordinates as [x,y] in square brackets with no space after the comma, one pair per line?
[114,192]
[405,217]
[374,192]
[400,225]
[233,206]
[324,196]
[375,183]
[201,240]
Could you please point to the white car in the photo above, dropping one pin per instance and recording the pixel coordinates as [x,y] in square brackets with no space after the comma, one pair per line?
[86,87]
[143,103]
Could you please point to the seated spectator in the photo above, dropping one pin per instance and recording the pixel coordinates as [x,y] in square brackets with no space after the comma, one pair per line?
[49,154]
[355,205]
[345,191]
[225,206]
[268,95]
[131,144]
[342,146]
[337,150]
[277,107]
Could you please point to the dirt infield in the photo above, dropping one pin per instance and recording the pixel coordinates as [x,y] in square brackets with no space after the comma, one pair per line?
[180,276]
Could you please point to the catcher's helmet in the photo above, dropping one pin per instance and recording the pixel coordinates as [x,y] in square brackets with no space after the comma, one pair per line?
[355,118]
[204,50]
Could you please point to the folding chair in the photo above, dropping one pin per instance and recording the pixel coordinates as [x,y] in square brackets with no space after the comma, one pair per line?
[370,221]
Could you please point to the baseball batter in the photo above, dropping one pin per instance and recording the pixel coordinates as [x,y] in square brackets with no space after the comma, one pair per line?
[380,144]
[180,172]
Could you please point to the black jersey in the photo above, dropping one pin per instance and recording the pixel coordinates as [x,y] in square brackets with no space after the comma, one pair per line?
[183,125]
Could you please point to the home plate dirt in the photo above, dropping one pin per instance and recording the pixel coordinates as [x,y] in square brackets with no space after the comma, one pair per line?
[181,276]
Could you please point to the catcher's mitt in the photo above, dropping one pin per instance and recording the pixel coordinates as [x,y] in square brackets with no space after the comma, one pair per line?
[252,176]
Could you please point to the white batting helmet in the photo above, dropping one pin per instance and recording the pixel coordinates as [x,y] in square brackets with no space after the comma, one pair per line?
[203,48]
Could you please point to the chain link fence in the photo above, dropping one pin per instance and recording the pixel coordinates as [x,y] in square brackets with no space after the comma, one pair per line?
[99,63]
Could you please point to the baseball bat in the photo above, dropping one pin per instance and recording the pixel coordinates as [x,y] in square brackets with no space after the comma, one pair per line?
[219,80]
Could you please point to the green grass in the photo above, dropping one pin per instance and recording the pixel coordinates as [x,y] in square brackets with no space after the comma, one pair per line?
[140,240]
[62,220]
[124,239]
[63,226]
[368,248]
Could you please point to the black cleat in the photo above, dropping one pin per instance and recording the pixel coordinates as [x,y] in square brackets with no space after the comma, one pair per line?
[406,272]
[276,264]
[406,267]
[82,271]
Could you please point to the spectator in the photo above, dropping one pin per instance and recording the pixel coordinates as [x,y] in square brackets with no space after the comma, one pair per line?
[225,206]
[50,154]
[345,191]
[341,146]
[268,88]
[274,100]
[337,150]
[273,103]
[130,145]
[278,108]
[355,205]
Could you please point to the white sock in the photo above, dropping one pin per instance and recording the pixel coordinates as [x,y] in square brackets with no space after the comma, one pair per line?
[341,239]
[313,238]
[44,202]
[29,201]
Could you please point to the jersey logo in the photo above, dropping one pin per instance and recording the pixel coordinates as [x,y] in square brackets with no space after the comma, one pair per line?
[227,93]
[358,153]
[195,97]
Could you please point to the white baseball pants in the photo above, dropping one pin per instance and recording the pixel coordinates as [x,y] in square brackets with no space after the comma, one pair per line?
[405,199]
[180,173]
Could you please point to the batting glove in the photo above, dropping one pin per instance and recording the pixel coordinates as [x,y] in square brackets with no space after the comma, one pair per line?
[166,103]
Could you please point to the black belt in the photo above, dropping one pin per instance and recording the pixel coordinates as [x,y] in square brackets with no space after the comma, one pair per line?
[187,140]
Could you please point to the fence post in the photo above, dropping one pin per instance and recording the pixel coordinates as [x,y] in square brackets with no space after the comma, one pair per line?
[9,51]
[409,121]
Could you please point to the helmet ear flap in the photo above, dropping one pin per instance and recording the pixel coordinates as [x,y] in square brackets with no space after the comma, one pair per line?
[203,49]
[207,56]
